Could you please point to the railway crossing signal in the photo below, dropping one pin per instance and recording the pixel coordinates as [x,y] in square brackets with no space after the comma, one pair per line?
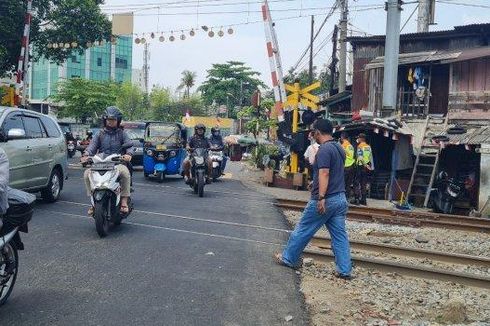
[304,97]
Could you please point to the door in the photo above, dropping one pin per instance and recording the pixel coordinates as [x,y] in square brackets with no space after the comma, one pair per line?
[439,89]
[41,151]
[18,152]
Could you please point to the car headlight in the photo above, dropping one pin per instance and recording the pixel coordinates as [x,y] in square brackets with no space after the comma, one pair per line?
[199,160]
[149,152]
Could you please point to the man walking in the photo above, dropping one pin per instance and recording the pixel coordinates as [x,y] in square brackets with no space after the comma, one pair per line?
[364,167]
[327,206]
[349,171]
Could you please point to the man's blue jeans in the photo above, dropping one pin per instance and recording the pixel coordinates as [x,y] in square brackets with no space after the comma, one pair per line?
[311,222]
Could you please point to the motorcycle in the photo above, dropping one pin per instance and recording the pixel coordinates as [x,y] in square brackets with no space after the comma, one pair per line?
[71,148]
[216,155]
[445,193]
[14,221]
[198,170]
[106,192]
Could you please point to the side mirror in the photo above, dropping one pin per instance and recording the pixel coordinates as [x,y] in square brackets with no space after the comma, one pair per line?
[3,138]
[16,133]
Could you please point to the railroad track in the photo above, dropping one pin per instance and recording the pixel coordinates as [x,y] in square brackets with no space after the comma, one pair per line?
[409,218]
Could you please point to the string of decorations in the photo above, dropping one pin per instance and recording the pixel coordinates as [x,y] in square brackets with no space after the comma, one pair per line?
[142,39]
[75,44]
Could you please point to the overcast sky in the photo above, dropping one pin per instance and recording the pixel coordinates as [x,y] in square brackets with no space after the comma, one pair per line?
[247,44]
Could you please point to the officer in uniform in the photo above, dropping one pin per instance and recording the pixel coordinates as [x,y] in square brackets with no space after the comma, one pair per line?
[364,168]
[349,168]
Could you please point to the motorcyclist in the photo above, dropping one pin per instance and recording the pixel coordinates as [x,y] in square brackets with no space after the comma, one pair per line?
[89,135]
[198,140]
[109,141]
[4,181]
[216,142]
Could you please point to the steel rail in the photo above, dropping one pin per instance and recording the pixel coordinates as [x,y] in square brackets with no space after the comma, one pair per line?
[416,219]
[406,269]
[439,256]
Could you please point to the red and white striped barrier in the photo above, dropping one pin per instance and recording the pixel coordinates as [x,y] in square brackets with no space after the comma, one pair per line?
[274,62]
[24,51]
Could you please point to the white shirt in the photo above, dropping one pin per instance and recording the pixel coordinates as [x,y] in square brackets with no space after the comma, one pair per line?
[311,151]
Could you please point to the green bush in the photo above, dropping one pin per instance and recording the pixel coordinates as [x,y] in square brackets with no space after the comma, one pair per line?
[261,154]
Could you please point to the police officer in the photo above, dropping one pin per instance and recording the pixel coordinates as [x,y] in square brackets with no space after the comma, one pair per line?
[364,168]
[349,168]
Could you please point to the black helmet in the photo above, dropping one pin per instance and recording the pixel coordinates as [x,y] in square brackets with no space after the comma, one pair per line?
[215,129]
[200,126]
[89,132]
[112,112]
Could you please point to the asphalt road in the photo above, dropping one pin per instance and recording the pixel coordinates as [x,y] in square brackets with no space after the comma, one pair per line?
[178,260]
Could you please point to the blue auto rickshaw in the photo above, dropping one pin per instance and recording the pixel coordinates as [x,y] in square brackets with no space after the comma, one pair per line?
[164,149]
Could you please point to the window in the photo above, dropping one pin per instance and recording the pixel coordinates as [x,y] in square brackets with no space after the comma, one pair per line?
[75,76]
[51,127]
[74,59]
[99,62]
[13,121]
[33,127]
[121,63]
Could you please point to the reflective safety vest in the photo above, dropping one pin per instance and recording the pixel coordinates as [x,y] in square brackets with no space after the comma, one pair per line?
[349,153]
[364,155]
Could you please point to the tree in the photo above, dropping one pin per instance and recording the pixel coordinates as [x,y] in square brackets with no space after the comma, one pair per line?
[53,21]
[304,79]
[82,99]
[130,99]
[231,84]
[257,119]
[188,81]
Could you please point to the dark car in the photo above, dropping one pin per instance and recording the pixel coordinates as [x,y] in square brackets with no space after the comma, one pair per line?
[136,131]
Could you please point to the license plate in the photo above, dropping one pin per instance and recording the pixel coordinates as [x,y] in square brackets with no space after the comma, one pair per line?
[161,147]
[103,166]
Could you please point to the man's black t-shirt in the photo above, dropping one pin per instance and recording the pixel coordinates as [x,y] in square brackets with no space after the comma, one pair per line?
[330,156]
[198,142]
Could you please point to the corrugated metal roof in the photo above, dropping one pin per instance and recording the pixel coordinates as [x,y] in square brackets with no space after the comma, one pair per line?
[468,54]
[473,136]
[416,57]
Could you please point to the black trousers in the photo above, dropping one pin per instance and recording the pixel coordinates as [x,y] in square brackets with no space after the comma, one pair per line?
[363,177]
[349,176]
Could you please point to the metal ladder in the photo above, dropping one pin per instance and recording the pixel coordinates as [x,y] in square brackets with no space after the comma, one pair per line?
[427,160]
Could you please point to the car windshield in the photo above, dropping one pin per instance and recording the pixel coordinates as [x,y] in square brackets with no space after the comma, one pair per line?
[168,134]
[135,133]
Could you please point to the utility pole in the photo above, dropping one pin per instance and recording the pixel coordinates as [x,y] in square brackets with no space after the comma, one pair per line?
[424,16]
[392,49]
[310,71]
[333,64]
[343,44]
[146,67]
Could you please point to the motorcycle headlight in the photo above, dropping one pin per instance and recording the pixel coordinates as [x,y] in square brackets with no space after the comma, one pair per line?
[173,153]
[149,152]
[199,160]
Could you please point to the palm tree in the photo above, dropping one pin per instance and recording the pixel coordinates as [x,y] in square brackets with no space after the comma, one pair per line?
[188,81]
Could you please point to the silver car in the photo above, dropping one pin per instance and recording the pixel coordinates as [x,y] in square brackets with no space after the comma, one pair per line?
[36,149]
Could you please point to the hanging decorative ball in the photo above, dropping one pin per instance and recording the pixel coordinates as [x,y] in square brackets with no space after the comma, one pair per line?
[50,45]
[113,40]
[74,44]
[152,35]
[221,33]
[60,45]
[182,37]
[101,42]
[192,32]
[89,44]
[161,38]
[137,40]
[66,45]
[211,34]
[143,40]
[230,31]
[171,38]
[55,45]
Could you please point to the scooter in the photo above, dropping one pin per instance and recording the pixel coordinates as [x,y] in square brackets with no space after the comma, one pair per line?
[198,170]
[445,193]
[71,148]
[13,222]
[216,155]
[106,192]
